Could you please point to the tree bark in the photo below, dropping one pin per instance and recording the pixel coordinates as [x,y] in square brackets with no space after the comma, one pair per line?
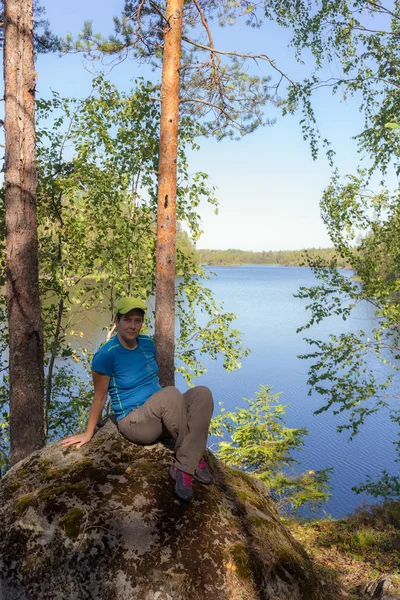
[166,213]
[23,302]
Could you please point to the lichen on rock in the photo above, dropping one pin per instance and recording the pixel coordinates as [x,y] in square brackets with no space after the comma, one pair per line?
[103,522]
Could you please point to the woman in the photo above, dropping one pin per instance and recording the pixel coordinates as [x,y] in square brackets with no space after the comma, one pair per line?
[125,368]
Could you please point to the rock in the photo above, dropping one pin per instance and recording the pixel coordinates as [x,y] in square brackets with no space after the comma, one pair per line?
[382,589]
[103,523]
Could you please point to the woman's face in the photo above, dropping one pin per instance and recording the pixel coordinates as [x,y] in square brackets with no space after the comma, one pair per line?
[128,328]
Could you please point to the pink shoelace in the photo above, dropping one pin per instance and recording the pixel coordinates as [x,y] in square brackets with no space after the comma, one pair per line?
[187,479]
[202,464]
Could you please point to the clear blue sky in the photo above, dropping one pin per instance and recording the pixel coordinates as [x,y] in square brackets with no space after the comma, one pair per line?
[267,184]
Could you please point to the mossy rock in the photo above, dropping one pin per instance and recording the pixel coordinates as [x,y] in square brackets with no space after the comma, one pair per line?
[22,503]
[103,522]
[71,522]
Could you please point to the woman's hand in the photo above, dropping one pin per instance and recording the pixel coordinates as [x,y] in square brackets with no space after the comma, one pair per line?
[101,383]
[79,440]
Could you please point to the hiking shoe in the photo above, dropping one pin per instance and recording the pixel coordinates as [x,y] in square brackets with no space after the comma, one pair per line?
[183,483]
[202,474]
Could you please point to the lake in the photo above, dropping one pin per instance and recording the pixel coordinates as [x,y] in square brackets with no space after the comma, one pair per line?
[268,316]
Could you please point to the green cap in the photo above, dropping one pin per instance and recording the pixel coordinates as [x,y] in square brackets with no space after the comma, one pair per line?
[126,304]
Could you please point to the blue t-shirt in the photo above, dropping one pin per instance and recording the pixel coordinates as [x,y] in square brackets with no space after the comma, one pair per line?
[133,373]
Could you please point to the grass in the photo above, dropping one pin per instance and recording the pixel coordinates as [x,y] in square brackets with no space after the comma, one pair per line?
[354,550]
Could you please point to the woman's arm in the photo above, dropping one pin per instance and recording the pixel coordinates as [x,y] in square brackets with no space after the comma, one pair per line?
[101,383]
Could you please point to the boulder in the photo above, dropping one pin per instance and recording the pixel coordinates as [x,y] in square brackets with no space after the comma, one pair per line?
[103,523]
[383,588]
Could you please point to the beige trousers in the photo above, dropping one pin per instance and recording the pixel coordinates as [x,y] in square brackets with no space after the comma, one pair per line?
[186,417]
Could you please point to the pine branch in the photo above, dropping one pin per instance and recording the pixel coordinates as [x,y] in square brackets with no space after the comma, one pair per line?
[216,106]
[254,57]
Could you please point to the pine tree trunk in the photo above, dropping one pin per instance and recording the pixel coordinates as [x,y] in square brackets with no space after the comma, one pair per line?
[23,302]
[166,214]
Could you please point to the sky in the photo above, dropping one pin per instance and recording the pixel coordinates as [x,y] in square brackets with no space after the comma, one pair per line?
[268,186]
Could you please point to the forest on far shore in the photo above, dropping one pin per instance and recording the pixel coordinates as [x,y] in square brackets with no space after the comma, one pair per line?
[285,258]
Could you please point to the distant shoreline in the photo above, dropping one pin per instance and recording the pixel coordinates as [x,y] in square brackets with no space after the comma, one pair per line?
[346,268]
[279,258]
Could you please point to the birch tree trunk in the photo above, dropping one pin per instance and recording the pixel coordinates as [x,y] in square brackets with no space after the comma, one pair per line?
[23,302]
[166,214]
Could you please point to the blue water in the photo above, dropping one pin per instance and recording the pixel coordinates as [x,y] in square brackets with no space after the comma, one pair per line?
[268,316]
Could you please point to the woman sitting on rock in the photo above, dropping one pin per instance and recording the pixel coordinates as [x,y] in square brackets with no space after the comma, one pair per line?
[125,368]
